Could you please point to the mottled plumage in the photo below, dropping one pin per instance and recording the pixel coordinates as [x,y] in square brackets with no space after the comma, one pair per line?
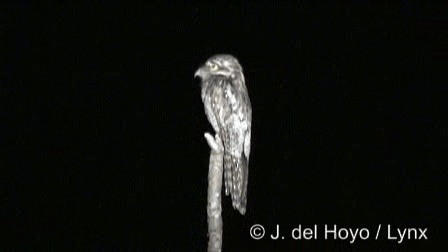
[228,109]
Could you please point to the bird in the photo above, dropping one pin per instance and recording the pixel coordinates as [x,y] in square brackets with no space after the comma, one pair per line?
[228,109]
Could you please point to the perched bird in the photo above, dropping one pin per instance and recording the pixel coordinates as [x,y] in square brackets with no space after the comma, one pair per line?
[228,109]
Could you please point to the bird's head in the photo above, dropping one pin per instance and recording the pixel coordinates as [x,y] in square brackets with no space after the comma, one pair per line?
[220,65]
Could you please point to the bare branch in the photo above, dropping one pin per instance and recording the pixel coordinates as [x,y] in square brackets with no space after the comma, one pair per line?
[214,193]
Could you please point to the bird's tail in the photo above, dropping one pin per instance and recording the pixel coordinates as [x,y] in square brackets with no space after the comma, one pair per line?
[227,171]
[240,174]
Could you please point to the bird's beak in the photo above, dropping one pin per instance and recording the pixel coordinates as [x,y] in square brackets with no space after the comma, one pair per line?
[199,73]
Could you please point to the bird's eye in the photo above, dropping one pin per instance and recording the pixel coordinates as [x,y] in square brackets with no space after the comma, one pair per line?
[214,67]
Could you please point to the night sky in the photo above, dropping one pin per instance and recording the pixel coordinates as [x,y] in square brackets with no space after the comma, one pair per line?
[101,136]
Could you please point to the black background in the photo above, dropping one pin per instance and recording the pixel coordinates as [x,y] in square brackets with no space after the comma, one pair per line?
[102,123]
